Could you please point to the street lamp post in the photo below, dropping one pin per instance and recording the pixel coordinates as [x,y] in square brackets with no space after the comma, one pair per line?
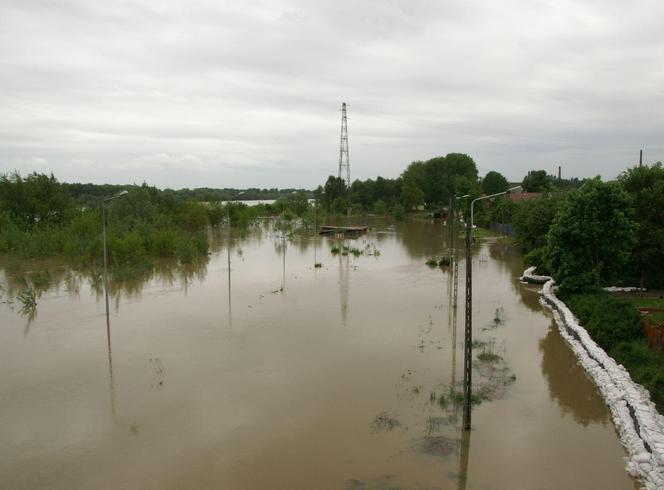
[468,338]
[103,227]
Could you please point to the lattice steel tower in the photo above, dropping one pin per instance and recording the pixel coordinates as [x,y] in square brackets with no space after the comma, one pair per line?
[344,162]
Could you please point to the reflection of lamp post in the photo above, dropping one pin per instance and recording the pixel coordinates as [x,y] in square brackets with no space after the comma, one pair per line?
[103,227]
[228,251]
[228,228]
[468,338]
[315,230]
[283,246]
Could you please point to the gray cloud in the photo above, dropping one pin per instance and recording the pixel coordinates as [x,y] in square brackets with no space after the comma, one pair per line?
[225,94]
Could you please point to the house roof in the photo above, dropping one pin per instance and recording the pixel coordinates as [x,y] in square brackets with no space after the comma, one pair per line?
[524,196]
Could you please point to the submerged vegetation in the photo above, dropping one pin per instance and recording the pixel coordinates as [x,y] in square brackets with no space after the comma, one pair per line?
[41,217]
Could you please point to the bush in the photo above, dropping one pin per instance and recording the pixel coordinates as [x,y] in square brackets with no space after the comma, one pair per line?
[380,207]
[398,212]
[607,319]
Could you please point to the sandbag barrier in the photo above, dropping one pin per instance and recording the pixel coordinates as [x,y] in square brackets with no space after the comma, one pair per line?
[639,425]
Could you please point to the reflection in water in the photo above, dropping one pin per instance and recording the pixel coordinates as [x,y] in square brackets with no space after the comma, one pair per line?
[418,241]
[30,317]
[559,366]
[111,384]
[321,383]
[56,275]
[230,304]
[464,454]
[344,270]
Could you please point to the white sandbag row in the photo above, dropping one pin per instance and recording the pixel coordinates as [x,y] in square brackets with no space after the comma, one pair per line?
[530,277]
[640,426]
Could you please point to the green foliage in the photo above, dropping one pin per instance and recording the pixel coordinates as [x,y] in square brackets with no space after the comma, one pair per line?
[502,210]
[28,300]
[493,183]
[380,207]
[398,212]
[615,325]
[609,320]
[532,220]
[216,213]
[38,219]
[536,181]
[335,195]
[445,262]
[411,195]
[431,183]
[646,186]
[441,178]
[591,236]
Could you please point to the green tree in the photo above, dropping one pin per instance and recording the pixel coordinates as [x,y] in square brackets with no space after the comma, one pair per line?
[646,186]
[411,196]
[335,194]
[532,220]
[502,210]
[591,236]
[494,182]
[536,181]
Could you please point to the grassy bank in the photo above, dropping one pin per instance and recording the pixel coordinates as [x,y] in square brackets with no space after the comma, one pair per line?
[615,325]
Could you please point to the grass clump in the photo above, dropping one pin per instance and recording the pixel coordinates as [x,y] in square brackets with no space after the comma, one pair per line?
[432,263]
[28,300]
[486,356]
[383,422]
[445,262]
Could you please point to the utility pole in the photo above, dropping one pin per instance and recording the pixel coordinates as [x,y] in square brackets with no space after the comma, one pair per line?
[640,158]
[456,255]
[344,161]
[468,340]
[468,337]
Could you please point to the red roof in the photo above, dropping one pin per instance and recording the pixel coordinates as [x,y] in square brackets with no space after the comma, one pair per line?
[524,196]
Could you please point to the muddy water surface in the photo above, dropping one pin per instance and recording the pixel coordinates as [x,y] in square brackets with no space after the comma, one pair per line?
[342,377]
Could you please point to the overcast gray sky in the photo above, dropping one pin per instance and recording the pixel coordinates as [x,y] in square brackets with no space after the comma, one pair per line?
[240,94]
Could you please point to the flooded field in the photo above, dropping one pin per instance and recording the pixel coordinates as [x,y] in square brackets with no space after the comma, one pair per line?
[281,375]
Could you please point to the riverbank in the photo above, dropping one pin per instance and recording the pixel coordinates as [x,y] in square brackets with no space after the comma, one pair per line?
[635,416]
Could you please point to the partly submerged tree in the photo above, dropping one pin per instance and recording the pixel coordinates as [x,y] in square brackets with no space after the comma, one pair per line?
[591,236]
[335,194]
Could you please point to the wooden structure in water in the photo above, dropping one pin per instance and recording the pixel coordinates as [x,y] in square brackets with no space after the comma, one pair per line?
[343,230]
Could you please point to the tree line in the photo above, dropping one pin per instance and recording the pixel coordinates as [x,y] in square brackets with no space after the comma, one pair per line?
[40,216]
[595,234]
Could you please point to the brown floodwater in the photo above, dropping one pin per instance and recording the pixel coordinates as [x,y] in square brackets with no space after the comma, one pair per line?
[294,377]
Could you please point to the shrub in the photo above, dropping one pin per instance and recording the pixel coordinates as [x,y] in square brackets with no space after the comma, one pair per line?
[607,319]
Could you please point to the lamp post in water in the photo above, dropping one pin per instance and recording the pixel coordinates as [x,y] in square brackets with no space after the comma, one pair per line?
[468,337]
[103,227]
